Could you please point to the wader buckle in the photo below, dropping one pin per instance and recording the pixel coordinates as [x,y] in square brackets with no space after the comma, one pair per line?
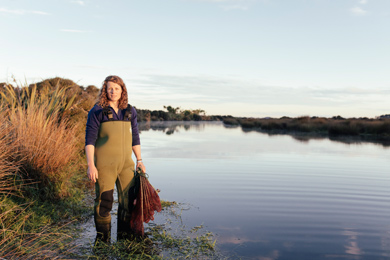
[108,113]
[128,112]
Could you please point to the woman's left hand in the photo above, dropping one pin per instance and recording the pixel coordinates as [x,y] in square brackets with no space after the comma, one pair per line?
[141,165]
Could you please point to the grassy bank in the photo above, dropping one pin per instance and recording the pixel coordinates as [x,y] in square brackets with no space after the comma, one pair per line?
[336,126]
[42,176]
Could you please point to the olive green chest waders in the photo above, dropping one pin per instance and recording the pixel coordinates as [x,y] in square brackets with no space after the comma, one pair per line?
[113,150]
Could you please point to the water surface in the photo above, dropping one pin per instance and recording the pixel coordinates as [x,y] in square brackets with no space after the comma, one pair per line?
[274,197]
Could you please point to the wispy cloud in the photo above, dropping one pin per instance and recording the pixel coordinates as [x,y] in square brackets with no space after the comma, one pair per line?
[73,31]
[79,2]
[22,12]
[363,2]
[358,11]
[252,92]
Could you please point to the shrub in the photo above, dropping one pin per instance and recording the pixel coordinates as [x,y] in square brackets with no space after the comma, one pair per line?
[343,128]
[302,119]
[93,91]
[196,117]
[230,121]
[248,123]
[384,128]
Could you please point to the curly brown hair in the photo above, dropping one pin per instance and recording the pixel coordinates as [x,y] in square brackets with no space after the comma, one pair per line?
[103,98]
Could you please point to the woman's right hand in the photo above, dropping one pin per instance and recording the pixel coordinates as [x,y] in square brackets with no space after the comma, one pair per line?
[92,173]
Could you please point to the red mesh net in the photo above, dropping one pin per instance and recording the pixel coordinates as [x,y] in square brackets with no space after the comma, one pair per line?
[147,201]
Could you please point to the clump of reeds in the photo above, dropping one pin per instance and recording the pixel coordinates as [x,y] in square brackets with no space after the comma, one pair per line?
[231,121]
[46,146]
[45,142]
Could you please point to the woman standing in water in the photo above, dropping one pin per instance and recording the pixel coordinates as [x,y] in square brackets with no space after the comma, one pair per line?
[111,137]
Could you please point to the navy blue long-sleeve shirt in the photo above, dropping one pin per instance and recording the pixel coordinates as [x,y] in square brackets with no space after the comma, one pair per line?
[96,117]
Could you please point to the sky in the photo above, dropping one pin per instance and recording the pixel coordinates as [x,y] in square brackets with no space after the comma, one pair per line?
[251,58]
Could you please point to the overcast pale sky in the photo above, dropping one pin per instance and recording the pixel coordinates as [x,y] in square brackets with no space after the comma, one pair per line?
[239,57]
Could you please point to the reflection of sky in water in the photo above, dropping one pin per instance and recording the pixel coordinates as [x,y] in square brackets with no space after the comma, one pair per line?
[273,197]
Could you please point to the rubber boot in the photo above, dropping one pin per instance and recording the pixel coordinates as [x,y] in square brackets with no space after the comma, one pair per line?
[124,231]
[103,233]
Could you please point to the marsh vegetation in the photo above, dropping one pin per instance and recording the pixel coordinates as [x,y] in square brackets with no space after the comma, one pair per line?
[335,126]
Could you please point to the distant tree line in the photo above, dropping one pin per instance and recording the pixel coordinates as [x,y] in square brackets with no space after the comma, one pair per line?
[175,114]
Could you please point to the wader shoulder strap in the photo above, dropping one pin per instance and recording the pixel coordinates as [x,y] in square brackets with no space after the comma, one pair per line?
[127,113]
[107,112]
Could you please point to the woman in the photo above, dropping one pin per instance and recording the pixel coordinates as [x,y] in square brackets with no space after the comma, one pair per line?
[111,137]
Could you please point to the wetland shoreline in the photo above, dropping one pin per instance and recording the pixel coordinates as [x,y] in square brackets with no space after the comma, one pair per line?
[364,128]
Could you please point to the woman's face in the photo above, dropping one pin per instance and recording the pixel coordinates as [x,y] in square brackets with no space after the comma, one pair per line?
[114,91]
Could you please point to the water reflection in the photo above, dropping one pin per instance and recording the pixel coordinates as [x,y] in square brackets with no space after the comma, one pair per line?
[351,246]
[305,137]
[171,127]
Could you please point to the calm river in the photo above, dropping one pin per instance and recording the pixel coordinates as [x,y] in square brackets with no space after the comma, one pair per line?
[274,197]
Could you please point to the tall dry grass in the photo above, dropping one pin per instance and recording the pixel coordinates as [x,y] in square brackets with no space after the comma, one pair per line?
[45,142]
[9,166]
[46,147]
